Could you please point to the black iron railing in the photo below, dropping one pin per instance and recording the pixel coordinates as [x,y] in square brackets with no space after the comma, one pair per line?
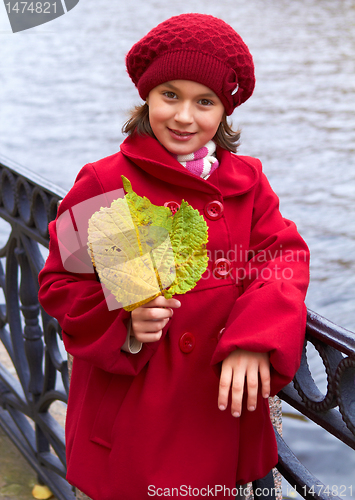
[35,374]
[334,411]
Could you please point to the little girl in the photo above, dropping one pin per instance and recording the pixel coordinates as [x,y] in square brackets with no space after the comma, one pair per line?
[171,398]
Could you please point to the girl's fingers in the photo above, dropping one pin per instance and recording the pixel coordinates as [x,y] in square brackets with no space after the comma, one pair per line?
[265,378]
[241,371]
[237,392]
[148,337]
[224,387]
[149,320]
[151,314]
[149,326]
[252,386]
[161,301]
[154,313]
[260,367]
[148,331]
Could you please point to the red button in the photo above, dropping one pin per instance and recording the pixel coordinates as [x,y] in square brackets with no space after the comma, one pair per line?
[173,205]
[187,342]
[214,210]
[220,333]
[221,268]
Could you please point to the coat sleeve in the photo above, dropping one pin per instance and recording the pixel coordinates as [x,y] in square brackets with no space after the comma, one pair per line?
[91,330]
[270,314]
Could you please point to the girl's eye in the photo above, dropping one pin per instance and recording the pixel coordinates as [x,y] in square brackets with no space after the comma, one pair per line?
[205,102]
[170,95]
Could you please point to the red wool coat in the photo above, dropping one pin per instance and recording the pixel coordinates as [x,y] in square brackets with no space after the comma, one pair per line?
[150,420]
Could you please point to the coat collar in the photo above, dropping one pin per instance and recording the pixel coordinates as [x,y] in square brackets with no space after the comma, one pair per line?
[234,176]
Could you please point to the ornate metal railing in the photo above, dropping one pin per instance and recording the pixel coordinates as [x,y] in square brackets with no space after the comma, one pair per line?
[34,372]
[334,411]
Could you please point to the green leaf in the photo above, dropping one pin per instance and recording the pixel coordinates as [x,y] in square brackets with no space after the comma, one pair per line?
[141,250]
[188,238]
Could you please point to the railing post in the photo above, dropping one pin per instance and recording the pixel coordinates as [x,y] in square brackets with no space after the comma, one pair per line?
[78,494]
[33,344]
[32,332]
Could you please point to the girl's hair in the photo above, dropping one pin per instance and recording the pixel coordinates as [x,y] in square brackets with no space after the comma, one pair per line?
[138,122]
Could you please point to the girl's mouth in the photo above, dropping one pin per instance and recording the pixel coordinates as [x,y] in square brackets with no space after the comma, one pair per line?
[181,135]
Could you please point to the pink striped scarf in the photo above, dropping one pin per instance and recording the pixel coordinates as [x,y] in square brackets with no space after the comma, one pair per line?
[202,162]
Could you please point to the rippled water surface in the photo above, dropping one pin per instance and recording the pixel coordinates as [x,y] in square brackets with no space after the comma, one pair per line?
[65,93]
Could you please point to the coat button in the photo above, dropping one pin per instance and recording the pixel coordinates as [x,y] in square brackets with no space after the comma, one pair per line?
[173,205]
[221,268]
[214,210]
[187,342]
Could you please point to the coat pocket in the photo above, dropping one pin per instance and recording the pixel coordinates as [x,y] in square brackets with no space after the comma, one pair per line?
[109,407]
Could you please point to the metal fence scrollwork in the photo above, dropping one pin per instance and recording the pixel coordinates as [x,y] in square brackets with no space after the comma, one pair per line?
[34,373]
[33,365]
[334,410]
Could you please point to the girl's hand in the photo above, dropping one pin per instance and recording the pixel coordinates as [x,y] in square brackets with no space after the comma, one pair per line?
[149,320]
[238,367]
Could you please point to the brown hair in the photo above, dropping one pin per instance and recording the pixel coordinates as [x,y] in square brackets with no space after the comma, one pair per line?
[138,122]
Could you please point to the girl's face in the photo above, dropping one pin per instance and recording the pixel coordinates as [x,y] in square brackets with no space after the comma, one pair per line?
[184,115]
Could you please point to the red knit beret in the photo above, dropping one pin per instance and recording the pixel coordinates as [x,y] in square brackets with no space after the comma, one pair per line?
[195,47]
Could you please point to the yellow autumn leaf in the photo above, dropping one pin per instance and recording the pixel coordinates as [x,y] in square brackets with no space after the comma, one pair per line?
[130,260]
[41,492]
[141,250]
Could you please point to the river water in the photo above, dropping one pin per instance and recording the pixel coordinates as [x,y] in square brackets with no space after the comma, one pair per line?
[65,94]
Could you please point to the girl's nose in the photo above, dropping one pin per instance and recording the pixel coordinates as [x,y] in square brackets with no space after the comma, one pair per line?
[184,113]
